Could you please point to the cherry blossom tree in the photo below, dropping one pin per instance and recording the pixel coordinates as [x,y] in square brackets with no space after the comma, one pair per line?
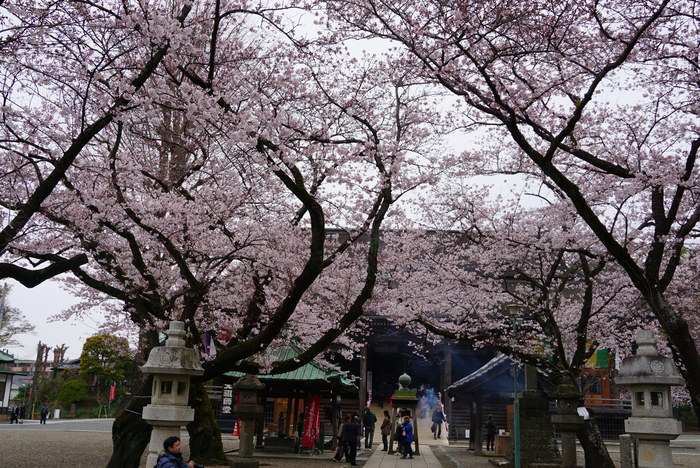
[12,320]
[597,99]
[490,264]
[208,192]
[51,112]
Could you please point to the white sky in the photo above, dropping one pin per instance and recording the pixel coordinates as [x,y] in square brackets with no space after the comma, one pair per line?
[37,305]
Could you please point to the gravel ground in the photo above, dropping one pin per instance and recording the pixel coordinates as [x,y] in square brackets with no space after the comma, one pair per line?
[54,449]
[32,447]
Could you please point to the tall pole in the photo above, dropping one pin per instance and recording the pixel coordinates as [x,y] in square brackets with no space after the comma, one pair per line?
[514,312]
[516,417]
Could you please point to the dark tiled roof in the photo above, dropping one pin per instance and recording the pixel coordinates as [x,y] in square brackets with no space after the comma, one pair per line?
[495,367]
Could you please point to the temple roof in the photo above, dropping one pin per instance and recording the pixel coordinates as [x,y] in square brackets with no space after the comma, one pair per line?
[308,373]
[490,375]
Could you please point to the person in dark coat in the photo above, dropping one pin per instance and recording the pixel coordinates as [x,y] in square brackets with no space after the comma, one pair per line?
[351,436]
[172,457]
[14,414]
[438,418]
[22,414]
[398,436]
[281,424]
[369,420]
[44,414]
[491,431]
[340,449]
[407,438]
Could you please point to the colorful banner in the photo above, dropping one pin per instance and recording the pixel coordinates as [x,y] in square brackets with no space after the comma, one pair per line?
[209,346]
[312,422]
[112,392]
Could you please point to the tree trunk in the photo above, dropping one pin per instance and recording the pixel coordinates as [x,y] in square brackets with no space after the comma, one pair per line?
[594,449]
[205,436]
[130,433]
[683,347]
[690,384]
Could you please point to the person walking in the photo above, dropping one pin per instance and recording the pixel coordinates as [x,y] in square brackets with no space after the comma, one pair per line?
[491,431]
[22,414]
[356,419]
[340,449]
[369,419]
[398,436]
[407,437]
[385,428]
[14,414]
[351,436]
[438,419]
[281,424]
[44,414]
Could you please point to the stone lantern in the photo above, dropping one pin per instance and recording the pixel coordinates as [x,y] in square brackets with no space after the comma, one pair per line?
[568,421]
[172,366]
[649,378]
[405,398]
[248,410]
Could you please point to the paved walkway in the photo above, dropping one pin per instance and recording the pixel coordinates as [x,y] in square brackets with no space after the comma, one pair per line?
[426,459]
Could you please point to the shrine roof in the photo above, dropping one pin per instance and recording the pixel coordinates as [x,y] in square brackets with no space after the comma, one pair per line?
[310,372]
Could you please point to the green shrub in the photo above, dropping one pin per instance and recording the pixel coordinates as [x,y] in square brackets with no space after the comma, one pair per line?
[86,413]
[72,391]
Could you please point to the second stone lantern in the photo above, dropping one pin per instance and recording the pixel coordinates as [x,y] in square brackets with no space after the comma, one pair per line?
[649,378]
[172,367]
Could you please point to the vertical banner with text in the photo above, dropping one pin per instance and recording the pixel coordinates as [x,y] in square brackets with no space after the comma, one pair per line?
[312,421]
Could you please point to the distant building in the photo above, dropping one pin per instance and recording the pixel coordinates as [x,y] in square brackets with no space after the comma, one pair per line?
[8,377]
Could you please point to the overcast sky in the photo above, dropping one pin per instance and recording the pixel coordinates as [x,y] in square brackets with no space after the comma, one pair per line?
[38,304]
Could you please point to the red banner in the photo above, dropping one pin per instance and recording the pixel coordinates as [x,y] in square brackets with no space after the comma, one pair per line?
[112,392]
[312,421]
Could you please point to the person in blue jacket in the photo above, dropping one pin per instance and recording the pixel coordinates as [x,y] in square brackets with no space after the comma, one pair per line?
[172,457]
[408,437]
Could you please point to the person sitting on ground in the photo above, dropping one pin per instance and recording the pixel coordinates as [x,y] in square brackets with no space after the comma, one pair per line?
[172,457]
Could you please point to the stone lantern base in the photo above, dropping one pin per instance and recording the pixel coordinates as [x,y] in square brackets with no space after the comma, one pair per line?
[166,421]
[653,437]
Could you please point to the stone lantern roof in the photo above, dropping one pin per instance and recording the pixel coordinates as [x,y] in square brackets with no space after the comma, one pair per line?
[174,358]
[647,366]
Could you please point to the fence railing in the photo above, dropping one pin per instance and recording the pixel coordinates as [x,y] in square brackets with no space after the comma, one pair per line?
[608,404]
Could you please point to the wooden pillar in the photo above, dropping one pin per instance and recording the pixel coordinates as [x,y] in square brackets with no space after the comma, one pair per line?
[363,381]
[478,430]
[295,419]
[363,387]
[446,382]
[393,430]
[334,418]
[288,418]
[416,451]
[472,422]
[260,423]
